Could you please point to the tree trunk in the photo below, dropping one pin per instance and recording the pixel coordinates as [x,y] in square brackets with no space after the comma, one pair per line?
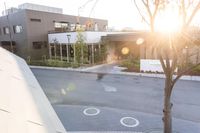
[167,119]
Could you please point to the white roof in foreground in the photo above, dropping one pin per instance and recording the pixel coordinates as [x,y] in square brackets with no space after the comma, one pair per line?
[24,108]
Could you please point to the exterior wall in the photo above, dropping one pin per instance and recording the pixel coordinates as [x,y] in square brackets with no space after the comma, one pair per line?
[37,31]
[18,18]
[90,37]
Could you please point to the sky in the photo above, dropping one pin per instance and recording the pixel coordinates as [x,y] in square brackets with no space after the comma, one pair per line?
[119,13]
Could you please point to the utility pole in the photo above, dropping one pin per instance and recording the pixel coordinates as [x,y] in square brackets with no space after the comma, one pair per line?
[67,47]
[7,15]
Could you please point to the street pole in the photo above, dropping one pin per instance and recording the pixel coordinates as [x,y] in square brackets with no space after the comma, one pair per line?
[74,52]
[67,52]
[92,54]
[67,47]
[61,52]
[49,50]
[55,51]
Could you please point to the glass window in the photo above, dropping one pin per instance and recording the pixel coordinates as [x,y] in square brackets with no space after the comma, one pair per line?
[17,29]
[6,30]
[37,45]
[73,27]
[61,24]
[35,20]
[57,25]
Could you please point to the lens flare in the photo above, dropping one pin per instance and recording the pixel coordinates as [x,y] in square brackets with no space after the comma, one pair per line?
[125,50]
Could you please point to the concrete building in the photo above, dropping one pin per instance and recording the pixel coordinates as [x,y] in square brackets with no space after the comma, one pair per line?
[62,44]
[28,27]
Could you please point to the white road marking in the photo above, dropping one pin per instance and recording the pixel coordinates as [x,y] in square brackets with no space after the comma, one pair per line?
[91,111]
[129,122]
[109,88]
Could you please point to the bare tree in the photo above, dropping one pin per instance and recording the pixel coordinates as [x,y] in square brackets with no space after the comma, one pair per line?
[172,48]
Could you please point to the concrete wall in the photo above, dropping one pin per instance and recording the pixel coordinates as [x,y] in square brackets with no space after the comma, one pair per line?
[37,31]
[18,18]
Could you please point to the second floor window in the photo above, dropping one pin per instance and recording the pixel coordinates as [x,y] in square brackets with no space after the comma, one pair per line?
[6,30]
[17,29]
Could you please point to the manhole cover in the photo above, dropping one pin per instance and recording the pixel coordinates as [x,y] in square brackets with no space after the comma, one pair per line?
[129,122]
[91,111]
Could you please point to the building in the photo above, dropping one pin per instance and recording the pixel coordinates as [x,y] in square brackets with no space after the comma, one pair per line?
[26,29]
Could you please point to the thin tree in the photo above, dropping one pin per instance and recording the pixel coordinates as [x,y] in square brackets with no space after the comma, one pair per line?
[172,48]
[81,48]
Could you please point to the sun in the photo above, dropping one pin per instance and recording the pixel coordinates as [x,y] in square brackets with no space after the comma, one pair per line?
[168,21]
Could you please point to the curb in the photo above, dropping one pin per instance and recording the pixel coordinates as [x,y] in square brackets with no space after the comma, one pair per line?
[87,70]
[58,68]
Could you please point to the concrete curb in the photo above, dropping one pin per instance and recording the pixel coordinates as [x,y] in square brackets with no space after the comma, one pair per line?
[58,68]
[88,70]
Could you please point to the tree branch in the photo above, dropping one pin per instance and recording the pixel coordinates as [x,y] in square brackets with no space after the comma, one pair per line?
[183,11]
[162,63]
[140,13]
[156,8]
[192,15]
[183,72]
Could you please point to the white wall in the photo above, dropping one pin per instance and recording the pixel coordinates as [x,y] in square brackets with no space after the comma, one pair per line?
[90,37]
[150,65]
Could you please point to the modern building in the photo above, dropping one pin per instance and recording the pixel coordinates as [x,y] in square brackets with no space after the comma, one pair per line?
[26,28]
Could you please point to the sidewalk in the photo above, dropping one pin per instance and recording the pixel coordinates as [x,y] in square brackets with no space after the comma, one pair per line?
[112,68]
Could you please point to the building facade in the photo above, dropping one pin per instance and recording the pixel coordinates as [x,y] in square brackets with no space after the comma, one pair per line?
[27,28]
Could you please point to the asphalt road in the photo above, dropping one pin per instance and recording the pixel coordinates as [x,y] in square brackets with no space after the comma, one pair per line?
[118,102]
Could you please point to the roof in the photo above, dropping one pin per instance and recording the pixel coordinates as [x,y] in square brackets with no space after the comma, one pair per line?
[24,108]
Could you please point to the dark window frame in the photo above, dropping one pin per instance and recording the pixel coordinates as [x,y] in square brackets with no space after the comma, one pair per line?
[39,44]
[35,20]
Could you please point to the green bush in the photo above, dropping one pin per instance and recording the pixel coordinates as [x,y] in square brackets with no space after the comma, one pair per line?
[131,64]
[50,63]
[195,71]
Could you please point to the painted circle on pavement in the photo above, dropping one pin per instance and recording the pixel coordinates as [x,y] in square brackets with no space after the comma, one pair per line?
[91,111]
[129,122]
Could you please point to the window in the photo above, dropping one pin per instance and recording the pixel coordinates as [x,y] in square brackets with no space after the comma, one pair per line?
[61,26]
[35,20]
[73,27]
[6,30]
[17,29]
[39,45]
[0,32]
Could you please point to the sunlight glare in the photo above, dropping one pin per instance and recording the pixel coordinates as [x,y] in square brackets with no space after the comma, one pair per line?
[140,41]
[168,21]
[125,50]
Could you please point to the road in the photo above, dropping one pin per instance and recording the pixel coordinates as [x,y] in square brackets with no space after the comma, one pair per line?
[118,102]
